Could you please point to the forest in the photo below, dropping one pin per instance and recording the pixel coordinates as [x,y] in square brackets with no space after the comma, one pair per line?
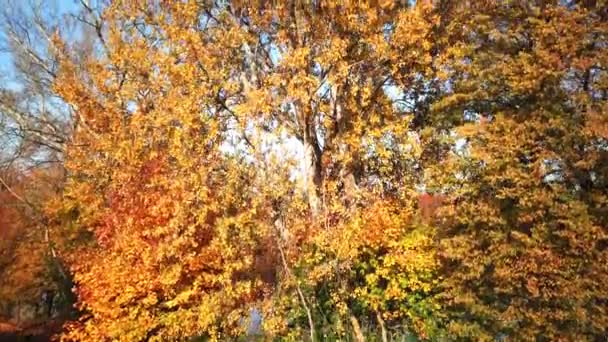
[198,170]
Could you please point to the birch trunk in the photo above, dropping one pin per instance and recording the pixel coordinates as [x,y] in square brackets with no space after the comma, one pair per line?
[312,177]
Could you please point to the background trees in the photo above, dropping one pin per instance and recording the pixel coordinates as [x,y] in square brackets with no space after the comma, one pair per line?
[35,127]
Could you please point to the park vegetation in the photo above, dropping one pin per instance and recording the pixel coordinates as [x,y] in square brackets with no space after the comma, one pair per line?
[312,170]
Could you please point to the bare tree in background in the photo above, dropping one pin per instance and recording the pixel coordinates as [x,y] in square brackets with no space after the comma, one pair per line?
[35,124]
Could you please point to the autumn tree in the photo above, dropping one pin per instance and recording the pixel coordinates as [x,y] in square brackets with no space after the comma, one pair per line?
[176,227]
[29,267]
[524,253]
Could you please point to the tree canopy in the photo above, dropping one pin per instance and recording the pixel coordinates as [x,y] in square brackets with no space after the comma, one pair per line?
[431,169]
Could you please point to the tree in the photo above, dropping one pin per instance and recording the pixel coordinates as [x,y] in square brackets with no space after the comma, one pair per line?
[524,243]
[28,266]
[175,227]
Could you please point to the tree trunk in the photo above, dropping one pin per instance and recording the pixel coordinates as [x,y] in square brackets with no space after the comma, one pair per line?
[382,327]
[312,176]
[357,329]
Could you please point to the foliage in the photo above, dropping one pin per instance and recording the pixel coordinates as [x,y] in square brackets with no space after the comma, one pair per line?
[381,263]
[230,157]
[27,266]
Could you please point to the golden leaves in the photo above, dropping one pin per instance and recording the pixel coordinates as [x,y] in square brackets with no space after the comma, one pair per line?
[202,209]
